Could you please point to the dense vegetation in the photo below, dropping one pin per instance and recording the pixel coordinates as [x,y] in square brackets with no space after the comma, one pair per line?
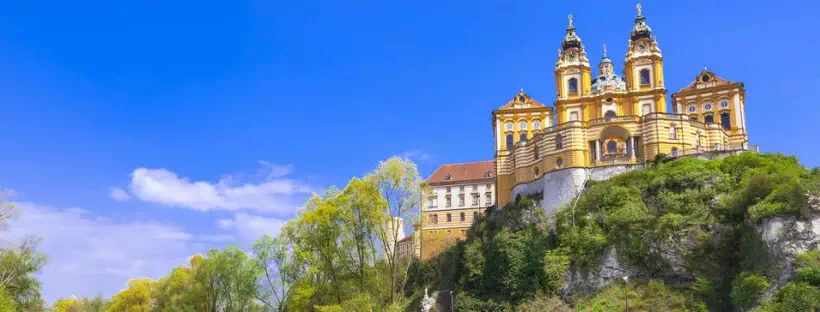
[703,212]
[685,231]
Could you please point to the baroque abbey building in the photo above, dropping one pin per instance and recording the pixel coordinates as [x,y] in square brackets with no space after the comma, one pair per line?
[607,119]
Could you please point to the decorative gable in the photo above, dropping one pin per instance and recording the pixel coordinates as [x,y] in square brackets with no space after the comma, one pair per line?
[521,100]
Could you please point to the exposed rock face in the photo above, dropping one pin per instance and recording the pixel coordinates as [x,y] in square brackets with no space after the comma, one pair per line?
[786,237]
[608,271]
[562,186]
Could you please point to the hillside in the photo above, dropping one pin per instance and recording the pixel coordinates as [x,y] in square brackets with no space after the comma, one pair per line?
[733,234]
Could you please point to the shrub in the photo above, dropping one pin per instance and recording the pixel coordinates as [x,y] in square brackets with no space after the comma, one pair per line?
[747,289]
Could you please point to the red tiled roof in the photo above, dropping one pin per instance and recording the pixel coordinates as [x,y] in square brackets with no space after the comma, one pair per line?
[463,172]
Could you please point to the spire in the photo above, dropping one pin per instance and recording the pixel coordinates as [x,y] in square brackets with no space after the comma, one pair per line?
[641,30]
[571,40]
[605,58]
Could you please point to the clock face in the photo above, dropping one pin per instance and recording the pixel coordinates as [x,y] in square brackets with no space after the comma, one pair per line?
[643,47]
[572,56]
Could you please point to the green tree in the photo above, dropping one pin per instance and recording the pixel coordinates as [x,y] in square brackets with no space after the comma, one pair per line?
[228,279]
[17,266]
[400,185]
[280,271]
[7,303]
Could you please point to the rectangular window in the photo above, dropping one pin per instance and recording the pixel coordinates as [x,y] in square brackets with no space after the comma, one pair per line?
[475,215]
[489,186]
[463,232]
[461,188]
[476,198]
[463,217]
[449,201]
[475,187]
[448,189]
[461,200]
[489,198]
[449,218]
[449,231]
[434,219]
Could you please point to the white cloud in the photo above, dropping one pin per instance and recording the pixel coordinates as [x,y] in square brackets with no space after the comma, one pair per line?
[275,194]
[250,227]
[415,155]
[273,171]
[225,224]
[88,254]
[119,194]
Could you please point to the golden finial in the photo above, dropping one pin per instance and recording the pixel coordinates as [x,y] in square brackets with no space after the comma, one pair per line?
[639,8]
[604,49]
[570,20]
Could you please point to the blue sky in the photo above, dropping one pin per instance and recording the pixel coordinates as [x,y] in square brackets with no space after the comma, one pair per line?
[135,134]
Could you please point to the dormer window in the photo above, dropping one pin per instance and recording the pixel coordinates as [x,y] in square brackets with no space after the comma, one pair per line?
[488,174]
[448,177]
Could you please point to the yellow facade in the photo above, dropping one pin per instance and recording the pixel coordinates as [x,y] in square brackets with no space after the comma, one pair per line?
[612,120]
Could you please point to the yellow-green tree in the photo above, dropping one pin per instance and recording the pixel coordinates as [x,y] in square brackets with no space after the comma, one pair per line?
[400,185]
[64,305]
[362,210]
[135,298]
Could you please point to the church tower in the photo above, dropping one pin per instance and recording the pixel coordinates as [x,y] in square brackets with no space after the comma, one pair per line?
[572,77]
[643,69]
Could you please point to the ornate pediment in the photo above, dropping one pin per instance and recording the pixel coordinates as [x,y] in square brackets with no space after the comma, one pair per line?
[705,79]
[521,100]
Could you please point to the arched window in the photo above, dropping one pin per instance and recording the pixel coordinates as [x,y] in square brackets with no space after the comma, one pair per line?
[709,118]
[535,151]
[463,217]
[536,124]
[644,77]
[573,116]
[647,109]
[509,141]
[609,115]
[611,147]
[509,126]
[673,133]
[522,125]
[725,121]
[522,137]
[559,163]
[573,86]
[559,142]
[675,152]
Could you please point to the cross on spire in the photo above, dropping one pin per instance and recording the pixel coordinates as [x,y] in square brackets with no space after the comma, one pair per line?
[570,20]
[639,8]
